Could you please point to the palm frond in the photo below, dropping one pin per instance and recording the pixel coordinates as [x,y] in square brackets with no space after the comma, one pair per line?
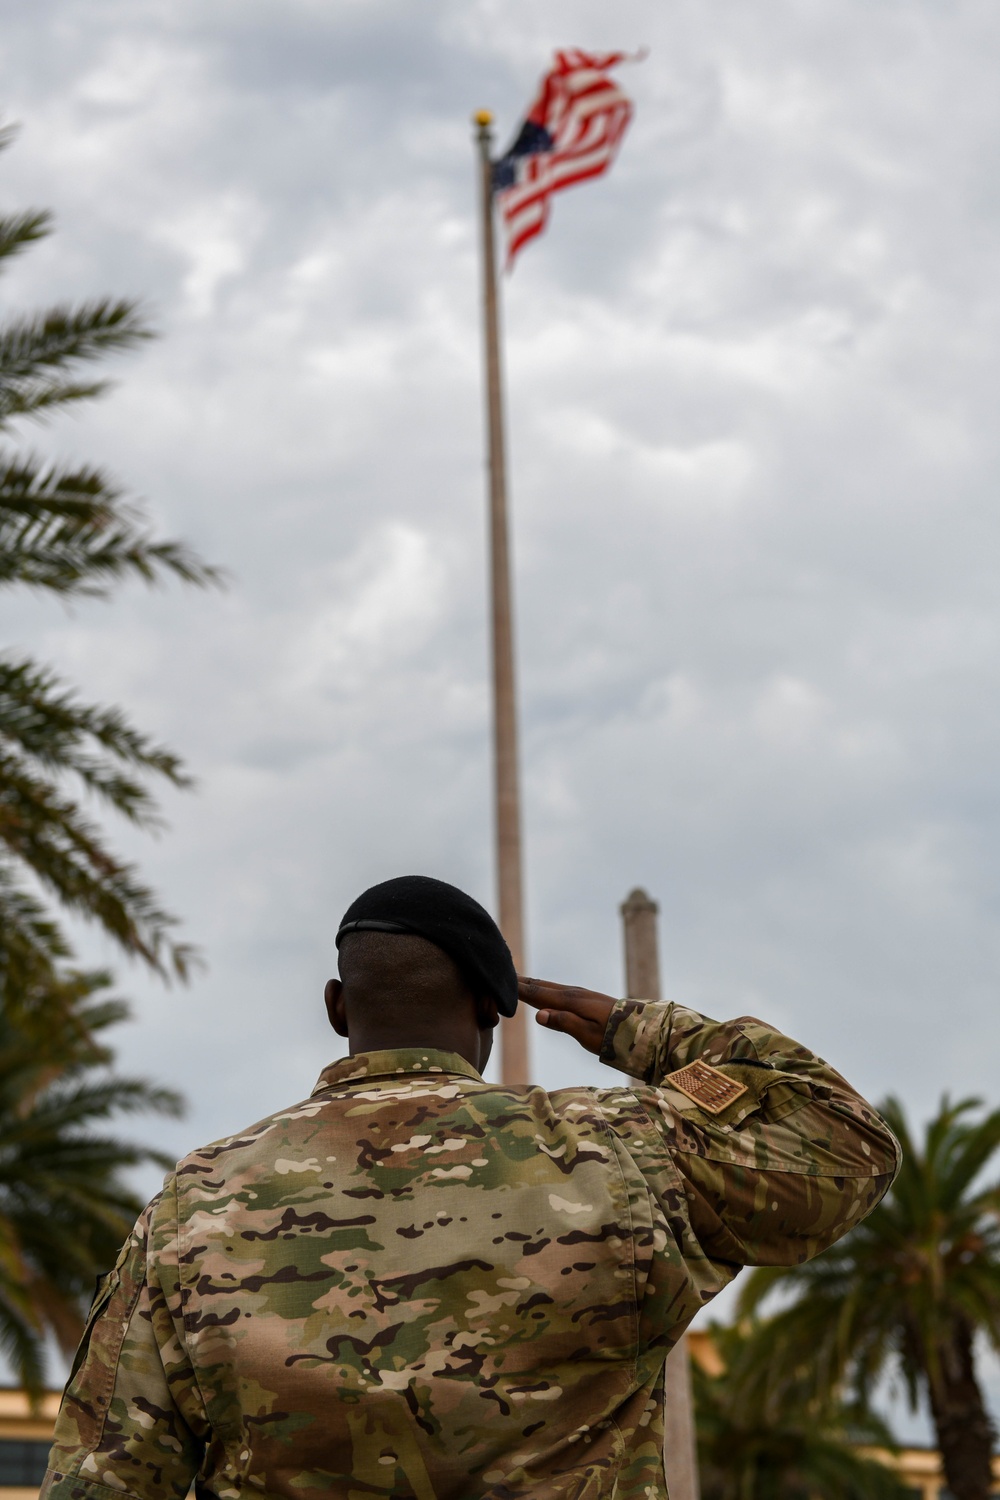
[45,1002]
[69,530]
[970,1154]
[64,335]
[23,1352]
[46,722]
[37,350]
[18,231]
[65,851]
[799,1447]
[65,1201]
[65,1107]
[908,1287]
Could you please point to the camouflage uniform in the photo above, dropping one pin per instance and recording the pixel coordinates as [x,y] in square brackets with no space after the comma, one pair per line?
[416,1283]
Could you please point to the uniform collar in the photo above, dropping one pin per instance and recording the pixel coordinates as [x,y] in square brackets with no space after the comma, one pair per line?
[392,1063]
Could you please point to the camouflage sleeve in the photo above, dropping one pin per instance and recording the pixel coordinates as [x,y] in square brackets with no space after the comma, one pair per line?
[132,1421]
[777,1154]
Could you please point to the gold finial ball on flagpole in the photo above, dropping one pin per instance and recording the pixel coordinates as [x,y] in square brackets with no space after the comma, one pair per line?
[483,117]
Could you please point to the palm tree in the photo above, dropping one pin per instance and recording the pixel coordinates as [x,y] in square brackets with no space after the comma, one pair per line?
[65,1206]
[908,1290]
[68,530]
[755,1446]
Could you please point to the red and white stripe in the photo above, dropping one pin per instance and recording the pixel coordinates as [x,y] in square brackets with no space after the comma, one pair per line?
[586,114]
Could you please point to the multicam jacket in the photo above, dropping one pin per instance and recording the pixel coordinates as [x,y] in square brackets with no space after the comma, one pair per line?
[420,1284]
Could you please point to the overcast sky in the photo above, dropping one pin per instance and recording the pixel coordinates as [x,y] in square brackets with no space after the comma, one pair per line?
[753,381]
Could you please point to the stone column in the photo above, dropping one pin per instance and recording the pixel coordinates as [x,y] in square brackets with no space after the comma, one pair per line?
[642,982]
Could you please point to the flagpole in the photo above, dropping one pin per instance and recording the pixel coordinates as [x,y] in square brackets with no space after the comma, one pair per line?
[507,802]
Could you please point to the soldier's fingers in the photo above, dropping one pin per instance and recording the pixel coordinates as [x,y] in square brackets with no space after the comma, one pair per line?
[588,1033]
[536,992]
[550,989]
[564,997]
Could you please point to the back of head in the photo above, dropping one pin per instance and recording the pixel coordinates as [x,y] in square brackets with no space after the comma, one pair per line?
[388,974]
[400,990]
[422,964]
[447,919]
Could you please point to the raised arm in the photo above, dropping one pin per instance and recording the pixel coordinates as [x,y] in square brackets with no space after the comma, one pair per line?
[779,1155]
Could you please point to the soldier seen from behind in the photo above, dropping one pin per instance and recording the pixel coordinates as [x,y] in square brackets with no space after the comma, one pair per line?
[419,1284]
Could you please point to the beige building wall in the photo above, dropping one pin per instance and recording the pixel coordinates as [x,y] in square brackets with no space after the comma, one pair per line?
[23,1438]
[920,1471]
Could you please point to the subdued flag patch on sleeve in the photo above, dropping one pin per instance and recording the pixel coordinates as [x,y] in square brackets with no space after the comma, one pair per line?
[711,1090]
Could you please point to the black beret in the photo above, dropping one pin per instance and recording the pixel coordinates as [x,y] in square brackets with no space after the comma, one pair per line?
[447,917]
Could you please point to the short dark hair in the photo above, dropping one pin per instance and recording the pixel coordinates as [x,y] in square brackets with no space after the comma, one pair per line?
[393,969]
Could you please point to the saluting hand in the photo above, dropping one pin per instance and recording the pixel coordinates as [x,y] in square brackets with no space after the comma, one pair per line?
[582,1014]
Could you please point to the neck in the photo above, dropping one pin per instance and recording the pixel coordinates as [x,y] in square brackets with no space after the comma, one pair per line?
[445,1039]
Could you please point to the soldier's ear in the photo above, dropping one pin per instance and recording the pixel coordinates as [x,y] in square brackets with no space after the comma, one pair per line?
[335,1007]
[487,1015]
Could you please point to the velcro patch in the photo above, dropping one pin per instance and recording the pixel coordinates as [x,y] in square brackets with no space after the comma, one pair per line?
[711,1090]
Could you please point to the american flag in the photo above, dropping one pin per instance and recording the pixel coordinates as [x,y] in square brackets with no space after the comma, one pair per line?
[571,132]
